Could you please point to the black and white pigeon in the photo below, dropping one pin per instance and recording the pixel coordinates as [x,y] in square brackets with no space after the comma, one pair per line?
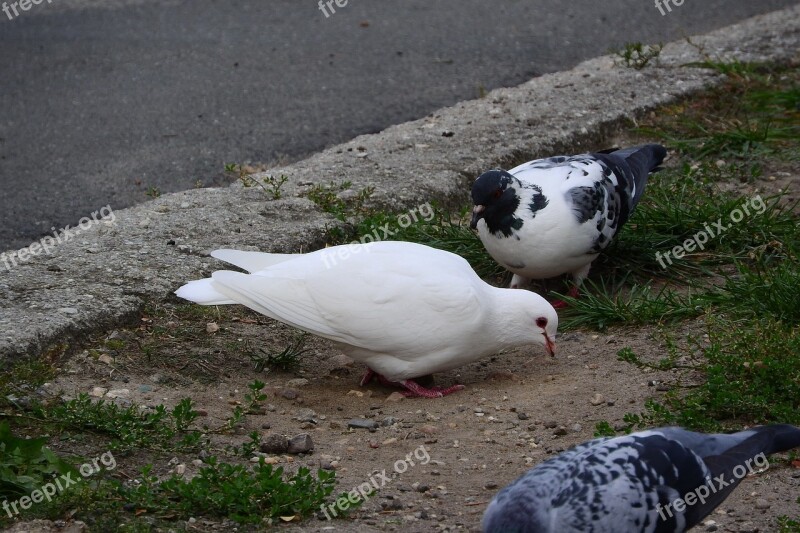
[553,216]
[633,483]
[403,309]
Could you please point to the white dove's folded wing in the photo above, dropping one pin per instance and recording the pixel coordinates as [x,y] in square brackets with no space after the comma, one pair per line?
[252,261]
[283,299]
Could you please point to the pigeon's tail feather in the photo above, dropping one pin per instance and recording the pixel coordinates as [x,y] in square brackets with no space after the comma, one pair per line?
[642,160]
[251,261]
[747,456]
[202,292]
[776,438]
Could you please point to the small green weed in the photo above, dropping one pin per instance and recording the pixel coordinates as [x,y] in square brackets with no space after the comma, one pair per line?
[285,360]
[269,184]
[604,429]
[26,464]
[127,428]
[328,198]
[222,490]
[636,55]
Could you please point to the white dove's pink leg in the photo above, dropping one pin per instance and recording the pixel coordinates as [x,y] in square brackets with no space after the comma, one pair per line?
[414,388]
[367,377]
[417,390]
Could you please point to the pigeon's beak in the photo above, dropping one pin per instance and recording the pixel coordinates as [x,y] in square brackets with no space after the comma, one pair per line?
[549,345]
[477,214]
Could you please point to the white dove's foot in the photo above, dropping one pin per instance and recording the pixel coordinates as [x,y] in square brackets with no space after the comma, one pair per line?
[367,377]
[416,390]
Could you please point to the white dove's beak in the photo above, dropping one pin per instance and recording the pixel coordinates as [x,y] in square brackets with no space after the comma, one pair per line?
[476,215]
[549,345]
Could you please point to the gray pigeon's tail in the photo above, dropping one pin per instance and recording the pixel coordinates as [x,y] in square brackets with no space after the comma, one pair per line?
[643,160]
[754,446]
[631,166]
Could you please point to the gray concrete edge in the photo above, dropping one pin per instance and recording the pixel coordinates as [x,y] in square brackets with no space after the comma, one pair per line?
[101,276]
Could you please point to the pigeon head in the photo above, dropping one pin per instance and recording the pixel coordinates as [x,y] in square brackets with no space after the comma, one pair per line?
[495,199]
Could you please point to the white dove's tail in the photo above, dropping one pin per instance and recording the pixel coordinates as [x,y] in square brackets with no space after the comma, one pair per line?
[202,292]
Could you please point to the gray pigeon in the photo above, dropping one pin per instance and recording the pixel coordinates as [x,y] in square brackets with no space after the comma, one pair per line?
[553,216]
[664,479]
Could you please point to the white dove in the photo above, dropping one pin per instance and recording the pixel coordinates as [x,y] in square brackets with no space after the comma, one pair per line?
[553,216]
[405,310]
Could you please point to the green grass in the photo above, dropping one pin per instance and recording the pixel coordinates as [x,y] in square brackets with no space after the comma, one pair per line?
[257,495]
[742,286]
[753,113]
[245,493]
[222,490]
[125,427]
[747,372]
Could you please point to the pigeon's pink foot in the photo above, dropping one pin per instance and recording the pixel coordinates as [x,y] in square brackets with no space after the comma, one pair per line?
[368,375]
[573,292]
[415,390]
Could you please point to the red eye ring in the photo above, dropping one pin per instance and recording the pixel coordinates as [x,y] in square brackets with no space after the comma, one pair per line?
[498,193]
[541,322]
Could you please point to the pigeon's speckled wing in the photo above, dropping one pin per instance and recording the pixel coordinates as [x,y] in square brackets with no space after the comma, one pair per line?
[629,483]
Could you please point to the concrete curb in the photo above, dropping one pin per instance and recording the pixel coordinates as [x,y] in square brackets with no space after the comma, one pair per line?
[103,275]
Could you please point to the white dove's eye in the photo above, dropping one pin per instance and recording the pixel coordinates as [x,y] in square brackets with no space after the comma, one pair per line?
[541,322]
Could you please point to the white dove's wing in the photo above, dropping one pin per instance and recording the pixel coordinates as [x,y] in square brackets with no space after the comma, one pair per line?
[384,299]
[252,261]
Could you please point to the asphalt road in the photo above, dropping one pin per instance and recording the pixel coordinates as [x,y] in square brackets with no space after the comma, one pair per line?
[100,101]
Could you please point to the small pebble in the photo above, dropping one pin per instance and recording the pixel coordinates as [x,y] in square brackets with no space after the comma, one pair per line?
[395,397]
[762,504]
[361,423]
[301,443]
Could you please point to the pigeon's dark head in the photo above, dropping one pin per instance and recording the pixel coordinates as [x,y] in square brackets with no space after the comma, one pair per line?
[494,198]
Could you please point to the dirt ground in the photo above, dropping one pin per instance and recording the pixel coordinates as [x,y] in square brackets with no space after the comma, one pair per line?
[518,409]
